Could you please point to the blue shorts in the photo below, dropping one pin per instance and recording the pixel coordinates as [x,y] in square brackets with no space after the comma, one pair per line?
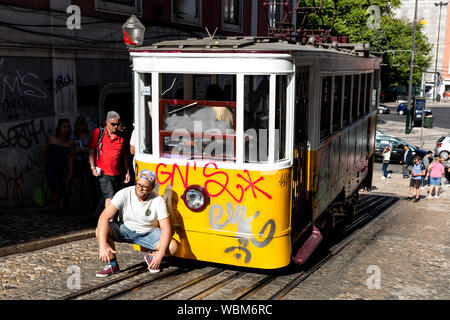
[123,234]
[435,181]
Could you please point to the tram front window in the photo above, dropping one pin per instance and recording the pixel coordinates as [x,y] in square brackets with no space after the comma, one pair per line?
[256,118]
[197,119]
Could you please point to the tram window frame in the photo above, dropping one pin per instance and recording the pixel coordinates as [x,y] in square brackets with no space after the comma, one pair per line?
[369,97]
[281,118]
[362,94]
[203,135]
[337,103]
[256,118]
[346,118]
[375,88]
[144,136]
[355,96]
[325,107]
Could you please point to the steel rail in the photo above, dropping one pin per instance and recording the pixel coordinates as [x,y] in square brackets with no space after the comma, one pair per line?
[141,267]
[187,284]
[255,287]
[154,278]
[216,286]
[335,249]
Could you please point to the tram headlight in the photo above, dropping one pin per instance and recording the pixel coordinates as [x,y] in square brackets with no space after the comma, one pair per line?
[195,198]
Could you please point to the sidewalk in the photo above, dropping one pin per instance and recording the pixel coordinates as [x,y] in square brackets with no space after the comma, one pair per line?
[28,229]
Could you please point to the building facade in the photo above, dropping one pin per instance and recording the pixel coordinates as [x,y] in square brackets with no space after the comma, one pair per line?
[65,58]
[434,20]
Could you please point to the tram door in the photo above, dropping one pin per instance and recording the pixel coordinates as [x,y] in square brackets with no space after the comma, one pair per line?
[301,212]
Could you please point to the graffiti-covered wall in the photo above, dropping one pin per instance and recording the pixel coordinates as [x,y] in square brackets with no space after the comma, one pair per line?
[34,92]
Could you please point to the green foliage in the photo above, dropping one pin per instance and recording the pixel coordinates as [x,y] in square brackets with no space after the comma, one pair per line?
[352,18]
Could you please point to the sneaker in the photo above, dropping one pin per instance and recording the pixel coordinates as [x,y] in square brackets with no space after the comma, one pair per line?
[107,271]
[436,196]
[409,198]
[389,175]
[148,258]
[416,200]
[383,177]
[430,196]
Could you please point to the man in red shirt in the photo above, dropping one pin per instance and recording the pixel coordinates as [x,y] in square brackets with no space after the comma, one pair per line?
[108,157]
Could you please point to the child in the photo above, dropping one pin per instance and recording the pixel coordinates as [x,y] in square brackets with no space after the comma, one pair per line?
[418,171]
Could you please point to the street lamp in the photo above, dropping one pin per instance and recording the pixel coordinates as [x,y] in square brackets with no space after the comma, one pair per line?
[133,32]
[440,4]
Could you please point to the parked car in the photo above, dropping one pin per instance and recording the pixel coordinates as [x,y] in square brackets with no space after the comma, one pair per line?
[443,147]
[403,107]
[397,146]
[383,109]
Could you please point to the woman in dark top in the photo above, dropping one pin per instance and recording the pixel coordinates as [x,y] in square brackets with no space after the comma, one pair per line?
[58,162]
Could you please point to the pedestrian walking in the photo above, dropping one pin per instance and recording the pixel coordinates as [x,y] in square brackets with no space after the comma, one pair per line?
[427,160]
[108,157]
[406,162]
[447,172]
[386,159]
[57,163]
[418,171]
[81,171]
[436,170]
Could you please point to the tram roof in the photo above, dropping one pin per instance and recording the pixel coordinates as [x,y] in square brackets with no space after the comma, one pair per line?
[252,44]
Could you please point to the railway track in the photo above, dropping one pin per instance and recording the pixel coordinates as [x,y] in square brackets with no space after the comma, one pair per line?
[200,280]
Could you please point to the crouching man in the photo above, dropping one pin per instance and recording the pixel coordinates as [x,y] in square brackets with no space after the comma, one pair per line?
[141,210]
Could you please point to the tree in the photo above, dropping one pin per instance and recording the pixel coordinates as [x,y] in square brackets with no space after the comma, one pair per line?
[373,22]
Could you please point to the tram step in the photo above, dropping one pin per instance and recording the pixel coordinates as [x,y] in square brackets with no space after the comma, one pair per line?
[308,247]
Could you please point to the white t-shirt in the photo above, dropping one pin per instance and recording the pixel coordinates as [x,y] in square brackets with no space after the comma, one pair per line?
[140,217]
[387,156]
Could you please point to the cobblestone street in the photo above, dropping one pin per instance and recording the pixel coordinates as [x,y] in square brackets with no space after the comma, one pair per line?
[408,246]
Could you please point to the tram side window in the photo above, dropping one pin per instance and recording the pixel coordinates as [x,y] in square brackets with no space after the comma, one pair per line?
[325,108]
[197,117]
[375,98]
[256,118]
[368,93]
[280,119]
[362,94]
[347,99]
[355,99]
[145,107]
[337,103]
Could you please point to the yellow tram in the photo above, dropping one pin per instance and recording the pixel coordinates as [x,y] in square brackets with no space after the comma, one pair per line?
[258,144]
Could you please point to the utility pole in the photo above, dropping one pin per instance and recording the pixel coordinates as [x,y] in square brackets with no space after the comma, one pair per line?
[408,128]
[440,4]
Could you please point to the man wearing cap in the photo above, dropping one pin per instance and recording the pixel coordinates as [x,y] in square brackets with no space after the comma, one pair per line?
[141,211]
